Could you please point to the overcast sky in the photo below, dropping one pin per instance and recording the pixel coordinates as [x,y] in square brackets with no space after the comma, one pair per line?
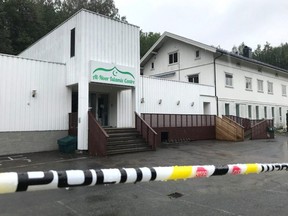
[213,22]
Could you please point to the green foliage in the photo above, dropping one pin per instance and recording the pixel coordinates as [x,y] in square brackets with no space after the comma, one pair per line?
[277,56]
[147,40]
[22,22]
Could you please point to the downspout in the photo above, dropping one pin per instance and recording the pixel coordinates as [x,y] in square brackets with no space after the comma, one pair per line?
[215,83]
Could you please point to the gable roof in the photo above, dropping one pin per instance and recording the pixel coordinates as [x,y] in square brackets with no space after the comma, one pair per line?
[167,35]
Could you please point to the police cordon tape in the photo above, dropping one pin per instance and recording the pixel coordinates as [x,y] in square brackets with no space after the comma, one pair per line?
[11,182]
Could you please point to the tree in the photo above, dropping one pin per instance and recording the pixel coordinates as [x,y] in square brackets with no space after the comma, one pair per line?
[147,40]
[277,56]
[22,22]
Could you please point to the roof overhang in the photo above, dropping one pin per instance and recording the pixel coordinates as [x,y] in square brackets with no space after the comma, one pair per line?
[167,36]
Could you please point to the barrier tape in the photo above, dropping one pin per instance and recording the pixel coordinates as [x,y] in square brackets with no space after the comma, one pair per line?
[11,182]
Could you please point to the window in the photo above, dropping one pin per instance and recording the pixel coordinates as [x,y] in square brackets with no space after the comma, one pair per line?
[72,43]
[270,87]
[152,65]
[193,78]
[228,80]
[265,112]
[248,83]
[260,85]
[257,112]
[227,111]
[238,110]
[249,111]
[284,91]
[173,58]
[197,54]
[273,112]
[280,114]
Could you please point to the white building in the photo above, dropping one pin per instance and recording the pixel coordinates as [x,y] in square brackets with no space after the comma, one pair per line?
[89,62]
[243,87]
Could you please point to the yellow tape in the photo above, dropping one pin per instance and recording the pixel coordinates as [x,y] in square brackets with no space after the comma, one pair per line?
[252,168]
[181,172]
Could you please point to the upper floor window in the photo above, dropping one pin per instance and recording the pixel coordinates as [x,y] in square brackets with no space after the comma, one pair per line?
[193,78]
[173,58]
[260,85]
[270,87]
[152,65]
[248,82]
[72,43]
[228,80]
[197,54]
[284,90]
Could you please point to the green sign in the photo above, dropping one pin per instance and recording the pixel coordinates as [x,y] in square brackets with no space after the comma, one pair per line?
[104,74]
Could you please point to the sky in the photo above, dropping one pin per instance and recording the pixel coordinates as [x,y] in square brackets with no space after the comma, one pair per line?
[223,23]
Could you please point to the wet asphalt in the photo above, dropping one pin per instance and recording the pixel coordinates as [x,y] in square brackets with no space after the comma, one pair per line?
[263,194]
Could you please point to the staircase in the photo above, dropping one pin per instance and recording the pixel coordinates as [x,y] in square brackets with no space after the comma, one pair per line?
[125,140]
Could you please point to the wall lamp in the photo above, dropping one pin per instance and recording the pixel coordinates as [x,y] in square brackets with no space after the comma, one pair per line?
[160,101]
[178,102]
[34,93]
[192,104]
[142,100]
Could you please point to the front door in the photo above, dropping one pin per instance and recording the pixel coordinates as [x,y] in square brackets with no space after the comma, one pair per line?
[102,109]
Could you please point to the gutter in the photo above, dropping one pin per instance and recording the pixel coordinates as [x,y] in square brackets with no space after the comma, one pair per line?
[215,83]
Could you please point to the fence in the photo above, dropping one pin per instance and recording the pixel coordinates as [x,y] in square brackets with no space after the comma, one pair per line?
[181,127]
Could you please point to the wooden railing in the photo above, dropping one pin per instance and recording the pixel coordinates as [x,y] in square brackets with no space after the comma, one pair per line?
[246,123]
[227,129]
[146,131]
[97,137]
[178,120]
[260,130]
[73,124]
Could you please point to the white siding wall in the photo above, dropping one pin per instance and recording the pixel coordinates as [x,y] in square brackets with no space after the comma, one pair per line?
[170,92]
[239,95]
[187,64]
[19,111]
[98,38]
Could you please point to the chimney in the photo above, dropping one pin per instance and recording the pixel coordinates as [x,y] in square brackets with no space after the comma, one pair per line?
[247,52]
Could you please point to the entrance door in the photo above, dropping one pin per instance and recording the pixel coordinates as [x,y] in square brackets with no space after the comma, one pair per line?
[102,109]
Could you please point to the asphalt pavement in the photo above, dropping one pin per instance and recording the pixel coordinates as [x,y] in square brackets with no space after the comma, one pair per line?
[263,194]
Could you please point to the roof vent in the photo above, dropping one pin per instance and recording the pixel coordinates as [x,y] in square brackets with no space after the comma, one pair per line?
[247,52]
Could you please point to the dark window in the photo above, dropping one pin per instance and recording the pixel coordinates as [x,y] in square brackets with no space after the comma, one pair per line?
[152,65]
[193,78]
[197,54]
[72,43]
[173,58]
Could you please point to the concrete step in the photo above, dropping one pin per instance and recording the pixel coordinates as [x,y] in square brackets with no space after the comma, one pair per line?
[125,141]
[127,146]
[120,130]
[128,150]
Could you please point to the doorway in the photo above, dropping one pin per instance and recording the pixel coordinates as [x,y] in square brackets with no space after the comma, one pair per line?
[207,108]
[102,109]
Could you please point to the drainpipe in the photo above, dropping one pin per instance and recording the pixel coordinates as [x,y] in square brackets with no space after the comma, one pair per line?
[215,83]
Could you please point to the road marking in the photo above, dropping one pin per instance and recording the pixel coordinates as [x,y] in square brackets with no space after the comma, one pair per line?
[68,207]
[14,158]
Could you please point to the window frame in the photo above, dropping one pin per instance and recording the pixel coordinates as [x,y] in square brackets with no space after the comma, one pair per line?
[72,42]
[284,93]
[173,55]
[226,83]
[197,54]
[193,76]
[269,84]
[247,88]
[262,82]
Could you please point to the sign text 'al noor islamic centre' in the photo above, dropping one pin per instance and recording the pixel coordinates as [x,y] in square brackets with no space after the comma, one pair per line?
[112,74]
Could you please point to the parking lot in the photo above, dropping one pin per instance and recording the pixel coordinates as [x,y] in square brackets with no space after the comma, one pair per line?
[263,194]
